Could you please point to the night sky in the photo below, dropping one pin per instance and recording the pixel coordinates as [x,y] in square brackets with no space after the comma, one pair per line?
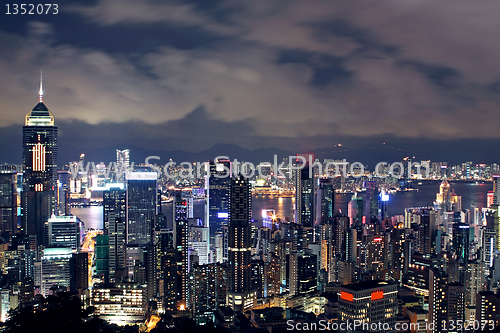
[291,74]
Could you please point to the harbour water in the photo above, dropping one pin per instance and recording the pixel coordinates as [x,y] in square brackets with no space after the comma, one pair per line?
[472,194]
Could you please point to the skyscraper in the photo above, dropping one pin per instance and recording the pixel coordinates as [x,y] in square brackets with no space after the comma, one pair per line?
[372,303]
[166,269]
[325,207]
[206,285]
[116,248]
[55,269]
[461,241]
[102,257]
[63,193]
[64,231]
[142,206]
[456,303]
[40,169]
[181,247]
[496,189]
[438,295]
[79,272]
[496,224]
[487,305]
[122,163]
[303,273]
[304,197]
[217,183]
[114,200]
[239,295]
[371,201]
[8,203]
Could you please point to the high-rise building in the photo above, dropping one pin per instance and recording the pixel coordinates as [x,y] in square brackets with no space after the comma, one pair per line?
[114,200]
[181,247]
[355,210]
[461,242]
[304,197]
[446,200]
[456,303]
[63,192]
[122,163]
[206,285]
[142,206]
[40,170]
[348,248]
[371,202]
[487,306]
[166,269]
[116,248]
[56,270]
[474,281]
[239,295]
[8,196]
[438,297]
[489,240]
[4,304]
[496,190]
[377,253]
[495,223]
[123,304]
[259,277]
[149,260]
[303,273]
[134,259]
[64,231]
[79,272]
[217,183]
[325,200]
[425,219]
[102,257]
[371,303]
[198,241]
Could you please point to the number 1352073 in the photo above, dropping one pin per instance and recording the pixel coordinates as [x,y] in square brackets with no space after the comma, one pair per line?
[31,9]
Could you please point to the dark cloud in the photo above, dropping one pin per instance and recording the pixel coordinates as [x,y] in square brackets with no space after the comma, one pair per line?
[362,37]
[326,69]
[443,76]
[292,74]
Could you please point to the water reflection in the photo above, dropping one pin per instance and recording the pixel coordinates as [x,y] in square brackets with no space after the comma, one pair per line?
[472,194]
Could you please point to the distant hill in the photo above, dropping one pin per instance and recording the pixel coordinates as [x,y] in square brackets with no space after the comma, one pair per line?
[368,155]
[139,155]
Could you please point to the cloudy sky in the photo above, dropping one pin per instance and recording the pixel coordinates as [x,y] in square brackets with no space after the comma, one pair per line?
[291,74]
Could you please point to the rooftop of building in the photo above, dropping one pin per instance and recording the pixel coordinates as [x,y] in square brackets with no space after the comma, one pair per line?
[365,285]
[40,109]
[417,310]
[409,299]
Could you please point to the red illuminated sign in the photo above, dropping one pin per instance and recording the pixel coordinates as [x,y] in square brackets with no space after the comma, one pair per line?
[346,296]
[377,295]
[377,239]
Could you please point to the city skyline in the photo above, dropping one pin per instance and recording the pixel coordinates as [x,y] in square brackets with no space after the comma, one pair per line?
[257,167]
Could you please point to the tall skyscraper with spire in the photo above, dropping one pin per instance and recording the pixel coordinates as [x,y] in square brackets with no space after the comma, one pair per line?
[39,170]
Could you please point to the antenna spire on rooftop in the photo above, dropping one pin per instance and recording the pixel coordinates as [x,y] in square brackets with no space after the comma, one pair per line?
[40,93]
